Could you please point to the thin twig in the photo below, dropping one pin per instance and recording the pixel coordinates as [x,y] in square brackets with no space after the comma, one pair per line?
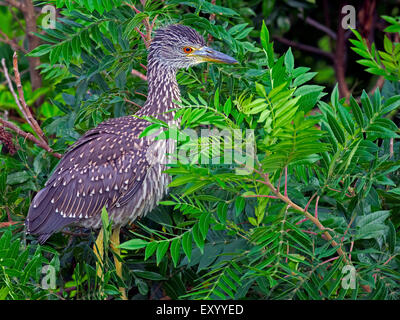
[16,4]
[146,22]
[308,215]
[30,137]
[20,101]
[305,47]
[285,192]
[133,7]
[306,207]
[16,19]
[391,148]
[7,224]
[329,260]
[131,102]
[25,109]
[316,208]
[139,74]
[141,94]
[10,222]
[319,26]
[259,196]
[12,43]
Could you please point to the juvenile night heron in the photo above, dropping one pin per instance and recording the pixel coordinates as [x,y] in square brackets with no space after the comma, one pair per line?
[107,167]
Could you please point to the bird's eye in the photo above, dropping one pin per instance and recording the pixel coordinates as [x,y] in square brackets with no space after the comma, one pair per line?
[187,49]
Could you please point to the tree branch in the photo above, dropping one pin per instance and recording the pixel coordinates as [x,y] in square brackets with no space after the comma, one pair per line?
[28,11]
[139,74]
[12,43]
[308,215]
[33,42]
[23,107]
[21,103]
[319,26]
[340,60]
[16,4]
[305,47]
[30,137]
[146,22]
[16,19]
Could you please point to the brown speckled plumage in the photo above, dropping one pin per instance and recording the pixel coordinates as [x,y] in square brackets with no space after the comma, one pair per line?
[109,165]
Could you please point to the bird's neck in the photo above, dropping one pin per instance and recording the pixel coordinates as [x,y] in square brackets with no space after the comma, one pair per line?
[163,91]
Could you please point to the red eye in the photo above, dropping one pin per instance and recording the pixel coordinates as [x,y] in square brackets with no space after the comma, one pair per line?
[187,49]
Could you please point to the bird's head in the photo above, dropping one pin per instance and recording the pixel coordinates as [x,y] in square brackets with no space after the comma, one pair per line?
[179,46]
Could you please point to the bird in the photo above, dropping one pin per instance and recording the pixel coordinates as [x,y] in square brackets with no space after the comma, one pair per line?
[109,167]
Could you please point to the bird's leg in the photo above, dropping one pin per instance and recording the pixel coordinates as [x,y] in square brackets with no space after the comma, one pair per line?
[116,253]
[98,249]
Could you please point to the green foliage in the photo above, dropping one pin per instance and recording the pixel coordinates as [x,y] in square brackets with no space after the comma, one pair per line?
[21,269]
[336,155]
[383,63]
[219,234]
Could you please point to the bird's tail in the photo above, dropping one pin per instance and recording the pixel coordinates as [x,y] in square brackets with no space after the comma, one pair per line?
[42,218]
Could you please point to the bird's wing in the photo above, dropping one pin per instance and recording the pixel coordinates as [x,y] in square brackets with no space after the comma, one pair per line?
[101,168]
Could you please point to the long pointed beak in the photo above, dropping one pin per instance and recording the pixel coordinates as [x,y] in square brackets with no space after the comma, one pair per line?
[207,54]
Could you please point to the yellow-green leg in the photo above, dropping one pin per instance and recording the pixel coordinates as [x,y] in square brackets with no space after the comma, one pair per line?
[98,249]
[117,252]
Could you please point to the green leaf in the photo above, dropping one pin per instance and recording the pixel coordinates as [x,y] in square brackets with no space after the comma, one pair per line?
[151,129]
[40,50]
[133,244]
[345,119]
[216,99]
[180,181]
[150,249]
[264,36]
[198,237]
[333,271]
[391,104]
[22,259]
[336,129]
[366,103]
[134,22]
[55,54]
[355,108]
[148,275]
[5,239]
[161,250]
[372,225]
[228,107]
[268,47]
[303,78]
[239,205]
[387,44]
[335,97]
[222,210]
[175,246]
[391,237]
[105,219]
[187,244]
[204,223]
[4,293]
[289,61]
[17,177]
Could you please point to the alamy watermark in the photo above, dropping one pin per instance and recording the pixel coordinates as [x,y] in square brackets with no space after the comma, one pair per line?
[349,18]
[49,279]
[349,278]
[49,20]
